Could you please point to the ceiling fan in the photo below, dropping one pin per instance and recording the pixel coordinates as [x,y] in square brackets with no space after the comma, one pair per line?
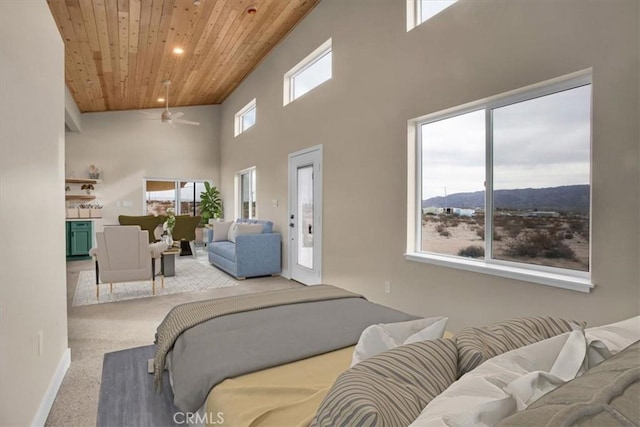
[167,116]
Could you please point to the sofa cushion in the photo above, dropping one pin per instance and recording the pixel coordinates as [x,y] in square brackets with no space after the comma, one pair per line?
[221,231]
[225,249]
[268,225]
[240,229]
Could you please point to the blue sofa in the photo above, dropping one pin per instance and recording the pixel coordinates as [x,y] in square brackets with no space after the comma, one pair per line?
[251,255]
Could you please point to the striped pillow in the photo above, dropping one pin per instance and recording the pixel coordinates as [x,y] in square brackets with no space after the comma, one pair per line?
[391,388]
[476,345]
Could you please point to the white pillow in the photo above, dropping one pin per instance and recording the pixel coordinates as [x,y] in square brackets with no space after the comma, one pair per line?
[616,336]
[385,336]
[241,228]
[221,231]
[479,397]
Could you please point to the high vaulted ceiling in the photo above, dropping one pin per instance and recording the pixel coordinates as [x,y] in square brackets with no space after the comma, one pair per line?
[118,52]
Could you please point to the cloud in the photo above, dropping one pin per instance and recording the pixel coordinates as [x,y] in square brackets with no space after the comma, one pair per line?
[542,142]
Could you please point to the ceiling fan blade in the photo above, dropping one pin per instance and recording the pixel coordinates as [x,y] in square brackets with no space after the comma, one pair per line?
[186,122]
[177,115]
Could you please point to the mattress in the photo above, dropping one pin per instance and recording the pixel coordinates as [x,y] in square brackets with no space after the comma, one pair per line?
[286,395]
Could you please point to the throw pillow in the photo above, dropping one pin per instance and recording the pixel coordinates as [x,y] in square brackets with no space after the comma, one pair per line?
[240,229]
[385,336]
[390,388]
[476,345]
[221,231]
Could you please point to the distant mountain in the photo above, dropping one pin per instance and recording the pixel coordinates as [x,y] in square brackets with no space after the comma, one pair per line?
[568,198]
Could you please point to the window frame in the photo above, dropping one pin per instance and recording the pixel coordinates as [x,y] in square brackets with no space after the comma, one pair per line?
[253,182]
[320,52]
[545,275]
[414,13]
[240,115]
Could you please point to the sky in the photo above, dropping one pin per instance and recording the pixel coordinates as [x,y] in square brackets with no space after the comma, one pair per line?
[543,142]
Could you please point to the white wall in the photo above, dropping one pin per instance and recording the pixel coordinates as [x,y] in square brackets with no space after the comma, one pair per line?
[384,76]
[128,148]
[32,242]
[72,115]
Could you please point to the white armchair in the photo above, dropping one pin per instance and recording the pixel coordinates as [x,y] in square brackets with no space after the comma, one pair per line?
[123,254]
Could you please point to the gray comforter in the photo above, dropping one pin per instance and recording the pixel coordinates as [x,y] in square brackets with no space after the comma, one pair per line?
[245,342]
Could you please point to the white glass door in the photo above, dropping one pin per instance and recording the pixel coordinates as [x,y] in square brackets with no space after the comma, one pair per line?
[305,216]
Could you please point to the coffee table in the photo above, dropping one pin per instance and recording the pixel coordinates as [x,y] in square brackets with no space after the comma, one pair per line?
[168,262]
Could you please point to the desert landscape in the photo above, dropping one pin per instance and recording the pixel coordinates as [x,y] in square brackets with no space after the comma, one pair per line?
[551,239]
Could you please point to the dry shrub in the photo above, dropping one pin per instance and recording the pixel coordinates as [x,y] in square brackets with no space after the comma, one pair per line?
[539,243]
[472,252]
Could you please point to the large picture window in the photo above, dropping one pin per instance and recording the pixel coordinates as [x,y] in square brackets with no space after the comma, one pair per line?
[505,184]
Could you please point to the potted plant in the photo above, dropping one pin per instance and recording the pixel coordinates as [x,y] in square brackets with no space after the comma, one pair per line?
[210,203]
[94,172]
[87,187]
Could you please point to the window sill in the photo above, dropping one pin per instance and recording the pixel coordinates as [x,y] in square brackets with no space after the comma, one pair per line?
[563,281]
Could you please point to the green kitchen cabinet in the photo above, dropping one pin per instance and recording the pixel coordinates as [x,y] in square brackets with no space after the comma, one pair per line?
[79,238]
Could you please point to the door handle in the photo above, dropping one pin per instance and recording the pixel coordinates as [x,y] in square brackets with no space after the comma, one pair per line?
[310,229]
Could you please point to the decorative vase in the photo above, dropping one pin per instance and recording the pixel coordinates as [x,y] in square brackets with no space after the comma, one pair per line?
[168,239]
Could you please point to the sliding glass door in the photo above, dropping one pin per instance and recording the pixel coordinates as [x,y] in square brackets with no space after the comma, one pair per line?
[180,195]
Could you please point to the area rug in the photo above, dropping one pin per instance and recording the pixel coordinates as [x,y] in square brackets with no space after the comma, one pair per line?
[127,395]
[191,275]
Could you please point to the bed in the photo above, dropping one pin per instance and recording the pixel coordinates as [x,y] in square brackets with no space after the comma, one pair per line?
[419,384]
[204,343]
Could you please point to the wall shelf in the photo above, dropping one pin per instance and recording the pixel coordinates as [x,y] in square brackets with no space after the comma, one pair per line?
[81,181]
[79,197]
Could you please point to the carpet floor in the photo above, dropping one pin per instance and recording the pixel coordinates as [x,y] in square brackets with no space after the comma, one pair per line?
[103,328]
[191,275]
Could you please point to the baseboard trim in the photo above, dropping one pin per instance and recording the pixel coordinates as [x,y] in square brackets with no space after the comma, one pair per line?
[52,390]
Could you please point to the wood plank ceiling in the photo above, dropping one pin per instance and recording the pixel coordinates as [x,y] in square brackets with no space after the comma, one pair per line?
[118,52]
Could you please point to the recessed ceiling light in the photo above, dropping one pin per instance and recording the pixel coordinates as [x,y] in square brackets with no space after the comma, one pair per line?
[160,99]
[178,50]
[251,10]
